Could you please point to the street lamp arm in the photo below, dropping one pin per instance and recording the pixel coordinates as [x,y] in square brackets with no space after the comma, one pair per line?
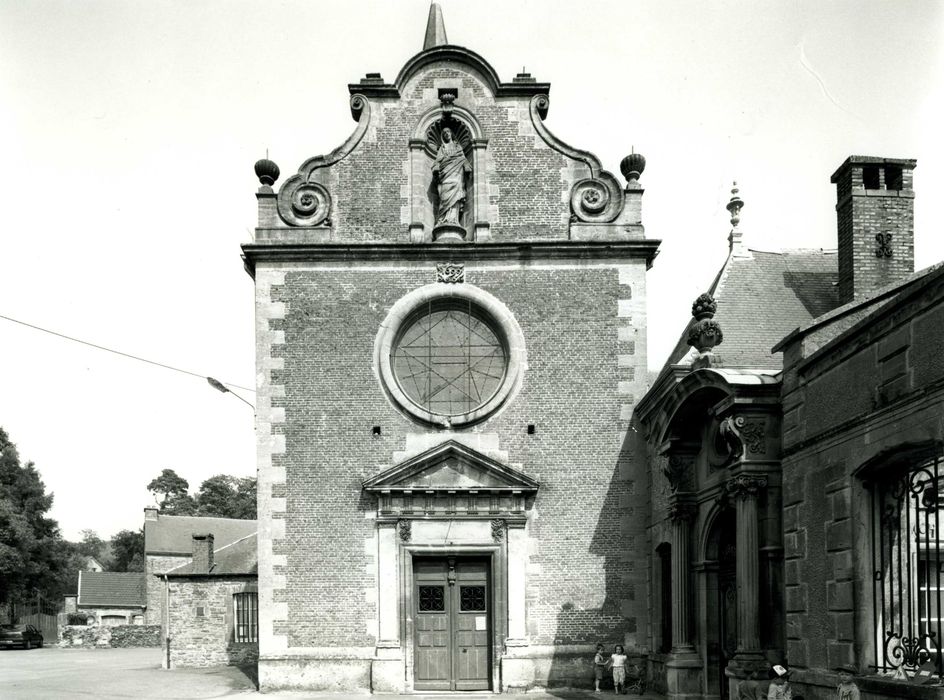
[222,388]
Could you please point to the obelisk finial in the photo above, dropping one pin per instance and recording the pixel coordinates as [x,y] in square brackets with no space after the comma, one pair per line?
[435,28]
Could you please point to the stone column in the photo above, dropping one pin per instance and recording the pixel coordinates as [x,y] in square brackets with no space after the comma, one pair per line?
[744,489]
[683,669]
[682,512]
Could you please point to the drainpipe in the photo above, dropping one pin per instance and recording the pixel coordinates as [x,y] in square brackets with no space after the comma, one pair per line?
[167,621]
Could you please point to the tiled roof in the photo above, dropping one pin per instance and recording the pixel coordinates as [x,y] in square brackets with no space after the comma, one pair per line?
[173,534]
[763,297]
[112,588]
[235,559]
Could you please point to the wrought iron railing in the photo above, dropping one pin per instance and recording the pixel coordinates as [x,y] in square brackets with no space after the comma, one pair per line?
[907,571]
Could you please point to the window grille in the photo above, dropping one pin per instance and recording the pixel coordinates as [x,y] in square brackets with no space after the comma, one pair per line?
[246,606]
[908,571]
[432,599]
[472,598]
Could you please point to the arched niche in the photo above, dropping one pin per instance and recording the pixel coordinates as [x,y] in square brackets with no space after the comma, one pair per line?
[424,144]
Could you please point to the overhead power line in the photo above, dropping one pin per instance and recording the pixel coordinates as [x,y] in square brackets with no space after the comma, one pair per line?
[118,352]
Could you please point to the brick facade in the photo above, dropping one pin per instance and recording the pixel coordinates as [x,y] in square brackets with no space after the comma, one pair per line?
[570,284]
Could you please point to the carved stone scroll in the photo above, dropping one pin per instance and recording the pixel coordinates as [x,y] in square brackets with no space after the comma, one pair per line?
[450,273]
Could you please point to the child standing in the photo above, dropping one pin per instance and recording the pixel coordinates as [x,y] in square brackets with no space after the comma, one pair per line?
[847,688]
[617,661]
[599,663]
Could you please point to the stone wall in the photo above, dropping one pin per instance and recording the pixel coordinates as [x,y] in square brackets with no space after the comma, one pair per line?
[156,564]
[848,409]
[119,636]
[201,627]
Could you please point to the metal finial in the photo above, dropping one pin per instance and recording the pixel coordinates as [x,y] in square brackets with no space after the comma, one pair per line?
[735,205]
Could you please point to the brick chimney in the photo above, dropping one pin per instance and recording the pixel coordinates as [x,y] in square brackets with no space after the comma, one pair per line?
[875,216]
[202,553]
[150,513]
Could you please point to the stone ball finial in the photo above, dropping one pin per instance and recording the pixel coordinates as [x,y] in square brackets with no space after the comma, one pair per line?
[632,166]
[267,171]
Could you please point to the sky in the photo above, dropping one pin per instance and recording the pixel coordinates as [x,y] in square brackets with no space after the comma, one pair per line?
[128,132]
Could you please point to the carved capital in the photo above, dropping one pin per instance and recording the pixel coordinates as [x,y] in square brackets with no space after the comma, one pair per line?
[746,485]
[405,530]
[682,511]
[498,529]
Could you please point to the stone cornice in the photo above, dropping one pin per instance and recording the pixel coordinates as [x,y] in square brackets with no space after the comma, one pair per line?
[528,251]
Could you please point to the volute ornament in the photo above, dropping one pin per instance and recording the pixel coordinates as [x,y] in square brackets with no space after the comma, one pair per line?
[746,485]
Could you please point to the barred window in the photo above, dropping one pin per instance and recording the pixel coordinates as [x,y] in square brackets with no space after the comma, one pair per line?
[246,609]
[908,570]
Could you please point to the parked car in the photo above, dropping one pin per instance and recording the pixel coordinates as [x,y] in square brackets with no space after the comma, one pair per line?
[25,636]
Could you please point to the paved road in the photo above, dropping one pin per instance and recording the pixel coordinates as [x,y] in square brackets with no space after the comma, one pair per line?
[52,673]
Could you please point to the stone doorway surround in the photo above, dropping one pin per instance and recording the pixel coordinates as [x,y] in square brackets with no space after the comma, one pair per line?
[449,501]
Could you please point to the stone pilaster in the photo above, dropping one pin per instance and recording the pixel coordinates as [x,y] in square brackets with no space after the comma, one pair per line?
[744,489]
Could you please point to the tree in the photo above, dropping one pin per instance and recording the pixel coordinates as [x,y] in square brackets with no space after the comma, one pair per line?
[173,490]
[92,545]
[127,548]
[29,541]
[225,496]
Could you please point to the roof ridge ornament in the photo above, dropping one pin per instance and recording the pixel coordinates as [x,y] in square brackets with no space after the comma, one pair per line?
[736,236]
[435,28]
[705,333]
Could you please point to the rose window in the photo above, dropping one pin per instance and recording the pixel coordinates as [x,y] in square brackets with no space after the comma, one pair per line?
[450,358]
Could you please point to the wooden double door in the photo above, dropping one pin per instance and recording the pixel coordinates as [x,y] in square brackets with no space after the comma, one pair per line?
[453,622]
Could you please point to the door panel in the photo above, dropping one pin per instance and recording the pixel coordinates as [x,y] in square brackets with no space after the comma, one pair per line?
[452,638]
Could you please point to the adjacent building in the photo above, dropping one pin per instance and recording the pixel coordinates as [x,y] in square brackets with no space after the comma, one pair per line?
[212,605]
[795,441]
[111,598]
[168,544]
[451,334]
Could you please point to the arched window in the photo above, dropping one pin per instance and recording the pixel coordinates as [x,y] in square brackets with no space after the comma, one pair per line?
[908,567]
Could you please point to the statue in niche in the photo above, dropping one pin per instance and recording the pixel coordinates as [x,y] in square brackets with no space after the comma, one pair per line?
[449,172]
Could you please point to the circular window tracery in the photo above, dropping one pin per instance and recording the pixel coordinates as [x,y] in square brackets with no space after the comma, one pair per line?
[450,355]
[449,359]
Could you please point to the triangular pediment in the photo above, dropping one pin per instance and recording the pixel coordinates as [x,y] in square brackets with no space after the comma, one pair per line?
[451,466]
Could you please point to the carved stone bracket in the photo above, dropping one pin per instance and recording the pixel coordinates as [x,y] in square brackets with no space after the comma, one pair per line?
[678,470]
[498,529]
[450,273]
[746,485]
[738,436]
[405,530]
[682,511]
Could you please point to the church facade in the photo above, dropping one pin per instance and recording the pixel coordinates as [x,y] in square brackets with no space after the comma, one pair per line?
[451,335]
